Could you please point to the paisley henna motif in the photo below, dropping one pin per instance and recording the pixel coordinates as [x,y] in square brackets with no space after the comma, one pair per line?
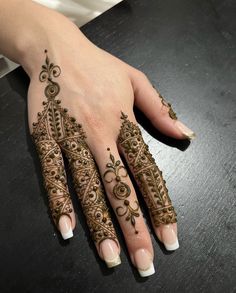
[172,114]
[54,131]
[146,173]
[121,190]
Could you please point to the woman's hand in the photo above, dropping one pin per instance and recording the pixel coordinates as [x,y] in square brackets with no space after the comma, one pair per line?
[80,104]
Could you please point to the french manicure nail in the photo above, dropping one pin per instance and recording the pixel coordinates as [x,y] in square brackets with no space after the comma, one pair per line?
[110,253]
[65,227]
[185,130]
[144,263]
[169,237]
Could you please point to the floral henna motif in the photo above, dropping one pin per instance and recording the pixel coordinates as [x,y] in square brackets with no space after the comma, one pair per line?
[146,172]
[172,114]
[54,131]
[121,190]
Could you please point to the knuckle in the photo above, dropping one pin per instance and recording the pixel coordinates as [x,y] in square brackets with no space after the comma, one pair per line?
[93,122]
[109,190]
[142,75]
[164,111]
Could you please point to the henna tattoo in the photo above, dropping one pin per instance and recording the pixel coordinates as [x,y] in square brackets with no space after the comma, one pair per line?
[121,190]
[54,178]
[147,174]
[54,131]
[172,114]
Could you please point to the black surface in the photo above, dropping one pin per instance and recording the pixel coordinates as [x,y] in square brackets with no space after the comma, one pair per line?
[187,48]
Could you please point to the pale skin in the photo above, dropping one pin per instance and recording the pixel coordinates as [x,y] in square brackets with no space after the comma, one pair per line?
[95,87]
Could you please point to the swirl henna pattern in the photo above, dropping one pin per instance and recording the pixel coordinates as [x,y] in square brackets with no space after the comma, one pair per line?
[121,190]
[146,173]
[56,131]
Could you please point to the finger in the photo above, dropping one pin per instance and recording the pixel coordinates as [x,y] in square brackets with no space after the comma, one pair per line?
[122,197]
[92,198]
[158,111]
[150,181]
[56,184]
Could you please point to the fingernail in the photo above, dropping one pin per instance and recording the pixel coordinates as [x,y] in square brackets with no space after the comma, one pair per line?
[169,237]
[65,227]
[110,253]
[185,130]
[144,263]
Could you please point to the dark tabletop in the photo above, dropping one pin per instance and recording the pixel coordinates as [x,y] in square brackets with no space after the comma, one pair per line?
[187,49]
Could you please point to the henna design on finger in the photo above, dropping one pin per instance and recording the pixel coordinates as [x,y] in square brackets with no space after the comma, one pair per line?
[56,131]
[121,190]
[45,135]
[171,112]
[89,188]
[54,178]
[147,174]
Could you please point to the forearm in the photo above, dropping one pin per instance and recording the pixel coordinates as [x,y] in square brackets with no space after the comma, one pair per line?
[27,28]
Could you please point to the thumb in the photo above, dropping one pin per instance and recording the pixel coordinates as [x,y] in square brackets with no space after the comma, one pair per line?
[157,110]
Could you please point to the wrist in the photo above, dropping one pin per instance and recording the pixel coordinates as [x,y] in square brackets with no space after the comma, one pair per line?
[48,32]
[31,29]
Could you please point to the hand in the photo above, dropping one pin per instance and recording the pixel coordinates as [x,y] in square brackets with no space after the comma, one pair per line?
[80,103]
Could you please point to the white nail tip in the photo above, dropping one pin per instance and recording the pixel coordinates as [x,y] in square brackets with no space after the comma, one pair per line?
[191,135]
[67,235]
[173,246]
[185,130]
[114,262]
[148,272]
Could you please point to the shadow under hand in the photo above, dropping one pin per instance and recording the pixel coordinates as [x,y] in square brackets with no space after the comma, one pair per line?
[181,144]
[19,82]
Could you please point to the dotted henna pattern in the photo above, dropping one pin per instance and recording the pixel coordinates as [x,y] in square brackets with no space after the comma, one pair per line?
[147,174]
[56,131]
[121,190]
